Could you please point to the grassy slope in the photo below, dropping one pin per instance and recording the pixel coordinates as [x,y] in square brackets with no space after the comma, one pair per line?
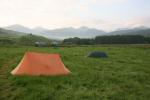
[31,39]
[125,75]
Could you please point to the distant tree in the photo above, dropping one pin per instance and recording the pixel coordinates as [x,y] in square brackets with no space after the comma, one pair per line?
[121,39]
[74,40]
[4,41]
[114,39]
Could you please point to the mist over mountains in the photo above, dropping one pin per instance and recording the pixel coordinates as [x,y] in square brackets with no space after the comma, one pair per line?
[82,32]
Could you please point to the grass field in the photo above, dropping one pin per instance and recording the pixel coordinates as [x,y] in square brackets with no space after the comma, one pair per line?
[124,75]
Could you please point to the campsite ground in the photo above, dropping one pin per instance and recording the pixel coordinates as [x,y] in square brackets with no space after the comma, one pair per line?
[124,75]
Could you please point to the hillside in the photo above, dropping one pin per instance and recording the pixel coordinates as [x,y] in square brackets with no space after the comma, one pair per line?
[14,37]
[134,31]
[30,39]
[8,37]
[10,33]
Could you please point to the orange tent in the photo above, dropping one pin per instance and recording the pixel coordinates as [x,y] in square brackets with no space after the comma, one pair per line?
[40,64]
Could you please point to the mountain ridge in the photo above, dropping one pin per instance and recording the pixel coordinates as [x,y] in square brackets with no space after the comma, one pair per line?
[81,32]
[59,33]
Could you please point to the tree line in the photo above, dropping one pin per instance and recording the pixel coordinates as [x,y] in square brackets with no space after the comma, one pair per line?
[30,40]
[114,39]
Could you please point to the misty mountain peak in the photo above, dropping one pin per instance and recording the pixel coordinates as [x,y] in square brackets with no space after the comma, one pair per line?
[19,28]
[39,29]
[83,27]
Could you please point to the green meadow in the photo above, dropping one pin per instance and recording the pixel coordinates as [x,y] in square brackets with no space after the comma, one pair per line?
[124,75]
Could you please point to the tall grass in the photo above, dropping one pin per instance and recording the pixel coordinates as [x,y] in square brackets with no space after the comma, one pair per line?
[124,75]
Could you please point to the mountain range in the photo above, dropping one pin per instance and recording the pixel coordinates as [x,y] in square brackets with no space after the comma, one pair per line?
[82,32]
[61,33]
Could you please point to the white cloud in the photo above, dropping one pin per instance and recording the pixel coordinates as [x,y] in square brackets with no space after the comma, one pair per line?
[106,2]
[61,13]
[144,21]
[113,24]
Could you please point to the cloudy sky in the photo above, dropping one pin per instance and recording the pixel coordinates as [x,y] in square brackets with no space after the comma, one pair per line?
[102,14]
